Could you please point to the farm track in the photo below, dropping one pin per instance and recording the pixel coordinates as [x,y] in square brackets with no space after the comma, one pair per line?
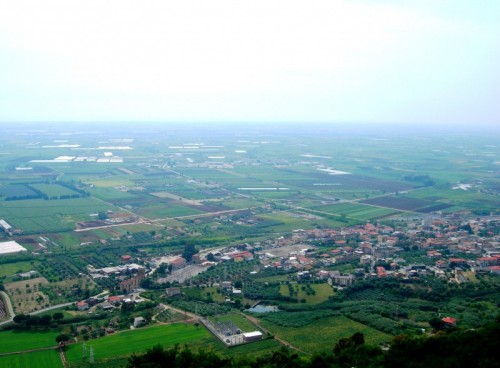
[62,355]
[138,222]
[208,214]
[193,317]
[29,350]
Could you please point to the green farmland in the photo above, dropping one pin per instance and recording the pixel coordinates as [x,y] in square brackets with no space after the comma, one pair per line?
[38,359]
[128,342]
[356,211]
[322,334]
[26,340]
[321,292]
[54,190]
[43,216]
[10,269]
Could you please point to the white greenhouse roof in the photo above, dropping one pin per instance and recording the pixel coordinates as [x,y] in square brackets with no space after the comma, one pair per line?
[11,247]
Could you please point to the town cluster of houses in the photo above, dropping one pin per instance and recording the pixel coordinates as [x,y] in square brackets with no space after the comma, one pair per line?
[107,303]
[452,245]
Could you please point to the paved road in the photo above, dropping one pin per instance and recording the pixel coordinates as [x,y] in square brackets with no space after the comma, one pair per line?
[8,305]
[52,307]
[11,311]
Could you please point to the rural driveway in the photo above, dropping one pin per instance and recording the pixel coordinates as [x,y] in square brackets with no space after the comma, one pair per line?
[8,305]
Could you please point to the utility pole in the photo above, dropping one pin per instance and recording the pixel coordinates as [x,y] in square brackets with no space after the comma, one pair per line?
[84,351]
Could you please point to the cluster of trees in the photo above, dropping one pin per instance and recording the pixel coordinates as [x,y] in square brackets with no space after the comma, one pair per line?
[72,186]
[30,192]
[425,180]
[300,318]
[457,349]
[27,320]
[189,251]
[21,192]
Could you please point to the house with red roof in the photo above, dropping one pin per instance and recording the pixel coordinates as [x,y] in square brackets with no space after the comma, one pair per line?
[458,261]
[381,271]
[449,321]
[125,258]
[82,305]
[115,299]
[489,261]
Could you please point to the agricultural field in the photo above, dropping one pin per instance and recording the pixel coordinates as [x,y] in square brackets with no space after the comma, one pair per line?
[11,191]
[27,295]
[310,293]
[286,221]
[10,269]
[167,210]
[39,359]
[472,198]
[356,211]
[44,216]
[128,342]
[405,203]
[323,333]
[54,190]
[26,340]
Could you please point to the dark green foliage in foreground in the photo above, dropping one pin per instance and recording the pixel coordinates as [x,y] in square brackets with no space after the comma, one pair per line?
[457,349]
[157,357]
[479,348]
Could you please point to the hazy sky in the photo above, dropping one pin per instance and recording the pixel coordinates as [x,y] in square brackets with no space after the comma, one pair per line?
[429,61]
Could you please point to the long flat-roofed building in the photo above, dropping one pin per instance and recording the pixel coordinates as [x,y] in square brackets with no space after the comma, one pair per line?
[11,247]
[4,225]
[252,336]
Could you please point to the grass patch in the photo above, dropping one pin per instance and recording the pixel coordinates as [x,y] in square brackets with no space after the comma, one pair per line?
[54,190]
[312,293]
[128,342]
[39,359]
[9,269]
[322,334]
[38,215]
[21,340]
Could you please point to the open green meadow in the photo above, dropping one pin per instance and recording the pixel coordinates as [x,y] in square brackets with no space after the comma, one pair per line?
[38,359]
[54,190]
[9,269]
[323,333]
[128,342]
[356,211]
[19,341]
[321,292]
[286,221]
[39,216]
[251,350]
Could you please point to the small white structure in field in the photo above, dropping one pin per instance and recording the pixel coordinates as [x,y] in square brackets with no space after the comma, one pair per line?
[252,336]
